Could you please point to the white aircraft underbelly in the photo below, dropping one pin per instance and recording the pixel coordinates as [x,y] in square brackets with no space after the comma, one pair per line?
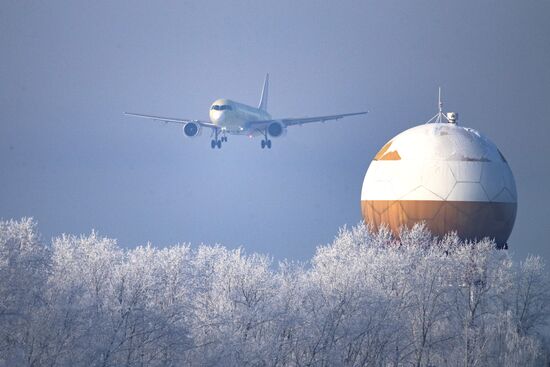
[237,121]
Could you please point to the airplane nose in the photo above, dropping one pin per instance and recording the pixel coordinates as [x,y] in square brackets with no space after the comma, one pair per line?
[215,116]
[221,117]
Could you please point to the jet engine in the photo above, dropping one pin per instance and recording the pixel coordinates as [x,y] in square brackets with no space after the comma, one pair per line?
[192,129]
[276,129]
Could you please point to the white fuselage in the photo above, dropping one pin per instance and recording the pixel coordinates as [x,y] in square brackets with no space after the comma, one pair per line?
[233,117]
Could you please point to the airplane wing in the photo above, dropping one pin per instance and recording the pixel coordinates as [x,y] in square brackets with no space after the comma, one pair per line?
[173,120]
[303,120]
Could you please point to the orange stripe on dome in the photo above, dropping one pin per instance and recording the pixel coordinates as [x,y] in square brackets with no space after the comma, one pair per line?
[382,151]
[471,220]
[384,155]
[391,156]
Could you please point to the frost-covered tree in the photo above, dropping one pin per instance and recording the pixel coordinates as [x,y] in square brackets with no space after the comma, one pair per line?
[367,299]
[24,270]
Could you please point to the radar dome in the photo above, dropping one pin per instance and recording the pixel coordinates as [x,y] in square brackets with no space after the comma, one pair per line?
[448,176]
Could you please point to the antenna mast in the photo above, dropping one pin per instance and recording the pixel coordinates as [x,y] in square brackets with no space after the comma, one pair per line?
[440,104]
[438,118]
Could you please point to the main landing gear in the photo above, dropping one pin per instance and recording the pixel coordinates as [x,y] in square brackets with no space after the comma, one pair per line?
[266,142]
[217,143]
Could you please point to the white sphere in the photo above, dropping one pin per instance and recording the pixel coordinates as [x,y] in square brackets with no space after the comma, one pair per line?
[449,176]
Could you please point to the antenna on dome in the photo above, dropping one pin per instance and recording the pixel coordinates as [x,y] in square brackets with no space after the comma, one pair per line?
[438,118]
[440,104]
[451,117]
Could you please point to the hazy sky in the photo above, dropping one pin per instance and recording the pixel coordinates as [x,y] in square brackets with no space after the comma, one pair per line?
[71,160]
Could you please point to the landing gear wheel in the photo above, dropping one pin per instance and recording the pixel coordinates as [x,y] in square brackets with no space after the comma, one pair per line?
[219,144]
[268,144]
[213,144]
[263,144]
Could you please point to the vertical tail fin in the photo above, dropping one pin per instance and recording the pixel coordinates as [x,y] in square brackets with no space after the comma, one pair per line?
[263,99]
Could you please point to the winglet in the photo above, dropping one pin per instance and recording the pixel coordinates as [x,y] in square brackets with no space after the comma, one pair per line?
[263,99]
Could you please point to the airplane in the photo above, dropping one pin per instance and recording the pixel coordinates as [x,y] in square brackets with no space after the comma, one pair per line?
[228,117]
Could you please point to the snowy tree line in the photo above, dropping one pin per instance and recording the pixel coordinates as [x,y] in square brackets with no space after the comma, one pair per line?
[364,300]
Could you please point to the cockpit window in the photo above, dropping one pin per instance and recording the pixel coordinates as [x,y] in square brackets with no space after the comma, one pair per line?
[222,107]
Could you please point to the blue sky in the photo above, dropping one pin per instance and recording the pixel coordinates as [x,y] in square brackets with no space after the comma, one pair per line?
[70,159]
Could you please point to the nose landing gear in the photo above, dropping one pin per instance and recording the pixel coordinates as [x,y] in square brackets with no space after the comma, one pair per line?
[217,143]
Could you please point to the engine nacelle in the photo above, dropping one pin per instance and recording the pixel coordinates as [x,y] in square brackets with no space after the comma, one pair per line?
[276,129]
[192,129]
